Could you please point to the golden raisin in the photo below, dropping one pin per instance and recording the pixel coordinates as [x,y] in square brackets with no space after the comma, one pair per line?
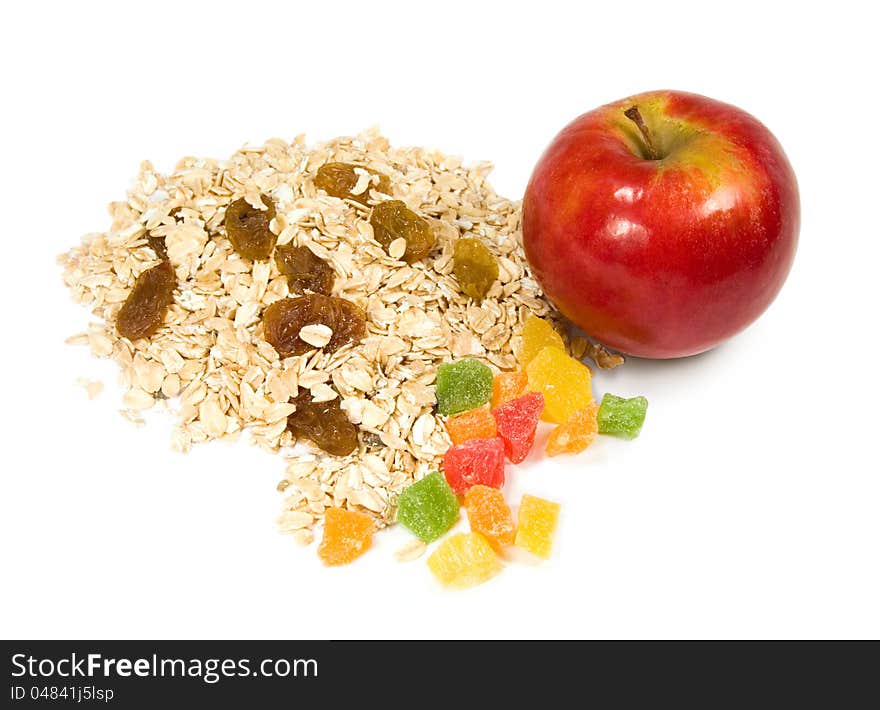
[339,179]
[248,228]
[474,266]
[304,270]
[394,220]
[283,320]
[146,305]
[324,423]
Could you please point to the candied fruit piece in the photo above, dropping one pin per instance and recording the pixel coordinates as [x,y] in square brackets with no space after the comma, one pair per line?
[464,560]
[339,179]
[248,228]
[304,270]
[462,385]
[474,424]
[284,319]
[536,523]
[394,220]
[576,434]
[489,515]
[517,422]
[347,535]
[474,461]
[622,417]
[428,507]
[474,266]
[144,310]
[324,423]
[508,386]
[538,334]
[564,382]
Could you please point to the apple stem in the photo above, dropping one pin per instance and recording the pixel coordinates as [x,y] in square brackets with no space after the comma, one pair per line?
[634,115]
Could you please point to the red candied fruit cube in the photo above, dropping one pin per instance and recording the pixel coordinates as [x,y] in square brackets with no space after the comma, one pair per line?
[517,421]
[475,461]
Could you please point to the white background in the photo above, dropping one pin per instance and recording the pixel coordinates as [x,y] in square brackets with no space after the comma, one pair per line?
[750,506]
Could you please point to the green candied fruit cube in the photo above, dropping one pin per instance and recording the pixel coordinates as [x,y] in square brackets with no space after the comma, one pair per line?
[428,507]
[622,417]
[463,385]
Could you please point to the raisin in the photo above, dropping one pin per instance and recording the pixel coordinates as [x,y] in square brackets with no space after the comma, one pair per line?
[323,423]
[339,179]
[146,305]
[304,270]
[283,320]
[157,244]
[248,228]
[474,266]
[394,220]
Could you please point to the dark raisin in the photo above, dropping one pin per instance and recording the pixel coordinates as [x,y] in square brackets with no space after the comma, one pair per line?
[248,228]
[324,423]
[146,305]
[157,244]
[283,320]
[303,270]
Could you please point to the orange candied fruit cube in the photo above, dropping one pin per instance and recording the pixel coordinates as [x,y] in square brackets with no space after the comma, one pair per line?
[507,386]
[474,424]
[347,535]
[576,434]
[489,515]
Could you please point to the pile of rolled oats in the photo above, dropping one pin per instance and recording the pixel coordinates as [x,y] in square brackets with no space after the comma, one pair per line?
[209,364]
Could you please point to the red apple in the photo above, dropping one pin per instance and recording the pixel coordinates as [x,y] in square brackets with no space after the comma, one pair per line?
[662,224]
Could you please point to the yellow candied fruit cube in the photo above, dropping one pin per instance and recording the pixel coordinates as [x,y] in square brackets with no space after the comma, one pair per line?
[565,383]
[536,523]
[536,335]
[464,560]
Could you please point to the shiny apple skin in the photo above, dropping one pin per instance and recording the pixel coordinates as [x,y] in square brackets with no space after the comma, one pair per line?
[662,258]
